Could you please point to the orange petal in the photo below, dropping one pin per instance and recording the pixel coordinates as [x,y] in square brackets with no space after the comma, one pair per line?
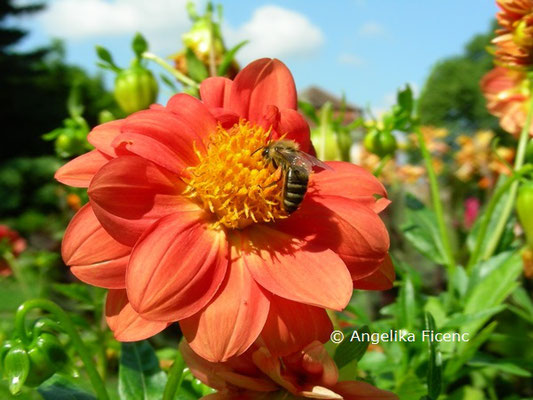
[290,326]
[130,193]
[295,127]
[271,366]
[353,231]
[126,324]
[102,136]
[176,267]
[81,170]
[161,137]
[298,270]
[353,390]
[233,320]
[315,360]
[219,375]
[215,92]
[381,279]
[262,83]
[195,115]
[349,181]
[94,256]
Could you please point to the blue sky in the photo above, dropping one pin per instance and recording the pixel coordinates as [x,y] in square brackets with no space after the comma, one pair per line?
[365,48]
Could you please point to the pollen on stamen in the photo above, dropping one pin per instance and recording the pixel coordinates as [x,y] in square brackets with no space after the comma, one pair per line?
[233,181]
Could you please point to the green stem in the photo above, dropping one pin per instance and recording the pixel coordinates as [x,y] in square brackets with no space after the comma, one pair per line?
[509,205]
[504,188]
[177,74]
[68,326]
[435,198]
[175,377]
[381,165]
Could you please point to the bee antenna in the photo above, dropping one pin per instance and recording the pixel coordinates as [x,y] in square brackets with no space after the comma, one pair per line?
[256,150]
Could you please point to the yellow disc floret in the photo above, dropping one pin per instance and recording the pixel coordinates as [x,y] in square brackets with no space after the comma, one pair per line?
[234,181]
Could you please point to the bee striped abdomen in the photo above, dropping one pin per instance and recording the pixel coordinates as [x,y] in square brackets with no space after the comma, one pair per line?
[295,187]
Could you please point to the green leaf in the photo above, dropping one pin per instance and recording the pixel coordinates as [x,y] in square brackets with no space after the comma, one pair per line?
[140,377]
[196,69]
[434,375]
[503,366]
[308,110]
[467,351]
[421,230]
[228,58]
[405,99]
[348,351]
[74,291]
[407,304]
[106,57]
[169,82]
[460,319]
[492,282]
[60,388]
[522,299]
[139,45]
[473,236]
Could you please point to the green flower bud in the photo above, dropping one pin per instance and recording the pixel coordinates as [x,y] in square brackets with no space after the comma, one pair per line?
[47,356]
[326,146]
[15,366]
[524,208]
[135,88]
[30,365]
[69,144]
[380,142]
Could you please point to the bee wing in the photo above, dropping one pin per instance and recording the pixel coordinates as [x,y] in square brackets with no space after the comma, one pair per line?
[301,159]
[315,162]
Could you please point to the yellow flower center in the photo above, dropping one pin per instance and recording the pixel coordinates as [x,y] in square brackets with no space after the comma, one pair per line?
[234,181]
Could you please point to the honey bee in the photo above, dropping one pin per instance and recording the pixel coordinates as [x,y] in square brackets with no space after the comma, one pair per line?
[296,167]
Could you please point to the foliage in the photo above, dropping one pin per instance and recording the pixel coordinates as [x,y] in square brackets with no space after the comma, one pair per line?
[451,96]
[451,278]
[45,75]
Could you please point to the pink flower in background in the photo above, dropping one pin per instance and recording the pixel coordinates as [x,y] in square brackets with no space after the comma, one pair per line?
[472,206]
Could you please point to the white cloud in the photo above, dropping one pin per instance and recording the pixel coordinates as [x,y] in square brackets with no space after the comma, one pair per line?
[351,60]
[371,29]
[161,21]
[276,32]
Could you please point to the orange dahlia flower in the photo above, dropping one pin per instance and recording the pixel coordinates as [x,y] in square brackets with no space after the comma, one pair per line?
[512,11]
[514,41]
[259,375]
[508,95]
[185,222]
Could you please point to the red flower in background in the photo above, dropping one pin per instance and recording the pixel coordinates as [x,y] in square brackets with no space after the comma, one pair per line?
[508,96]
[10,241]
[185,222]
[258,375]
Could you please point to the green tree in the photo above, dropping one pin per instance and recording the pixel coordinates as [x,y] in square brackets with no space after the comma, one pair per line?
[35,87]
[452,97]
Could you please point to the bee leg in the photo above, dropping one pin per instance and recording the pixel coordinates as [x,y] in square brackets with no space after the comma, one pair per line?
[276,176]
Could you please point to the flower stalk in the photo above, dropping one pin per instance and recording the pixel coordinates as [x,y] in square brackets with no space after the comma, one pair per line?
[68,326]
[174,72]
[175,377]
[496,197]
[508,207]
[436,201]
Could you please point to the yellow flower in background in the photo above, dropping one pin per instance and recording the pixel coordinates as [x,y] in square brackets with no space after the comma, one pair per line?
[434,138]
[477,161]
